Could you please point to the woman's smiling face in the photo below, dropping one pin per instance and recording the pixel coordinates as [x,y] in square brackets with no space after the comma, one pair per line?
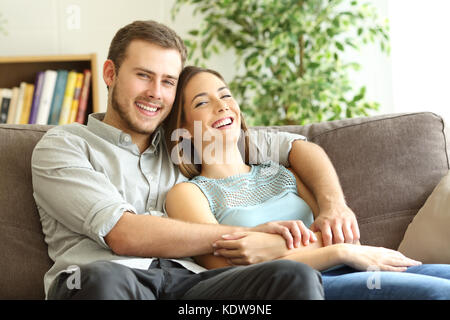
[208,101]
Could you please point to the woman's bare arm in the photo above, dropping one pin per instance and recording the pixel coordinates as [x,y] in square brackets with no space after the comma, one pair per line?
[319,257]
[316,255]
[313,254]
[185,201]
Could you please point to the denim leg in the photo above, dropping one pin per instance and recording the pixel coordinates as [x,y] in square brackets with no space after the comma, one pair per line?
[434,270]
[421,282]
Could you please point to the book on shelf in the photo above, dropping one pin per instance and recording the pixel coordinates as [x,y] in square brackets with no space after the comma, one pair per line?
[81,114]
[27,100]
[56,97]
[19,108]
[5,100]
[46,98]
[13,105]
[36,97]
[76,97]
[68,98]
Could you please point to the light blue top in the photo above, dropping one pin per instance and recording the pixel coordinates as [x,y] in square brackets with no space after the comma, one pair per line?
[267,193]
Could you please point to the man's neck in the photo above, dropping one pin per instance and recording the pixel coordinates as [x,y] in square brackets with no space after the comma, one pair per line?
[142,141]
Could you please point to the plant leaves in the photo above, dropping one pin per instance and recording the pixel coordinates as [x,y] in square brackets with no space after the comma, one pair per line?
[289,67]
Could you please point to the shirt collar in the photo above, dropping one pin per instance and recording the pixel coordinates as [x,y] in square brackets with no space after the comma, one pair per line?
[116,136]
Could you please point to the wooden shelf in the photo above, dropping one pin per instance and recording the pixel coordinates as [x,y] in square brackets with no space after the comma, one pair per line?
[14,70]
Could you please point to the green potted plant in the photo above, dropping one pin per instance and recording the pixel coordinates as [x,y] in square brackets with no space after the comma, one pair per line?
[290,66]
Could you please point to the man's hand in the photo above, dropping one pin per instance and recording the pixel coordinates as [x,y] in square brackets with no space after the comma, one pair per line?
[243,248]
[293,231]
[338,224]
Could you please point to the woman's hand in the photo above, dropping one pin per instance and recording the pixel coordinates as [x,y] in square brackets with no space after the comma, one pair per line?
[365,257]
[293,231]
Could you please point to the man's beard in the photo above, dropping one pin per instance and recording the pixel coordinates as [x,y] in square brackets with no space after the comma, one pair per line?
[126,117]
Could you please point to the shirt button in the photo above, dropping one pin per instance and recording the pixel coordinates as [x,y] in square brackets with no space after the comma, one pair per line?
[126,139]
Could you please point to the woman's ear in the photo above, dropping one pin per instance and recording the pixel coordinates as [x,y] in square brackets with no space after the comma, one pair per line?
[109,72]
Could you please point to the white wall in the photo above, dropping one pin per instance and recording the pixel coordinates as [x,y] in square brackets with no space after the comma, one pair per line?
[376,67]
[421,55]
[410,79]
[47,27]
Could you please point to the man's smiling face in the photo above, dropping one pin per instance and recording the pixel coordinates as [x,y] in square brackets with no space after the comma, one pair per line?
[142,92]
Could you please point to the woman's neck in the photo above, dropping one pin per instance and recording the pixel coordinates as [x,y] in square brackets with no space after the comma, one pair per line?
[229,163]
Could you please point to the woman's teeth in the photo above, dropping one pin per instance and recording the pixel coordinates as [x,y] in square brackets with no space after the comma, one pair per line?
[223,122]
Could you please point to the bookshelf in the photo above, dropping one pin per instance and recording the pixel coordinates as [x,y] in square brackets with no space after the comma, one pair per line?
[14,70]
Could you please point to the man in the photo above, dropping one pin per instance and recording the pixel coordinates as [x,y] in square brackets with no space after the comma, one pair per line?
[100,192]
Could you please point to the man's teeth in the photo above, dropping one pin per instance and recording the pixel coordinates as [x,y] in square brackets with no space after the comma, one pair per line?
[146,108]
[223,122]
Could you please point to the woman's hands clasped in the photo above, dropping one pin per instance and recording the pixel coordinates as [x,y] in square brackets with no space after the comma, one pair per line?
[263,242]
[293,231]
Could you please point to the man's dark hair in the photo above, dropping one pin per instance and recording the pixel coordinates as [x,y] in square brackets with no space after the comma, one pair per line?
[151,31]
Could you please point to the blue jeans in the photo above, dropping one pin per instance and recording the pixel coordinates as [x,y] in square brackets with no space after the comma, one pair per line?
[423,282]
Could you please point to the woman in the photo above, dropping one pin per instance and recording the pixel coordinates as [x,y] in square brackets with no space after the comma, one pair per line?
[226,189]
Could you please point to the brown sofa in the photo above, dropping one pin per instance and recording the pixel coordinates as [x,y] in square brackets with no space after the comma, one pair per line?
[388,165]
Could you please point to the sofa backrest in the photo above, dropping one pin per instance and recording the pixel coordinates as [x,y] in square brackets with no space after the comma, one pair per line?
[23,252]
[387,165]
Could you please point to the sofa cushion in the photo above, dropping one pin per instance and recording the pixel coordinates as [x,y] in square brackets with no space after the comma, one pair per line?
[23,252]
[427,237]
[388,166]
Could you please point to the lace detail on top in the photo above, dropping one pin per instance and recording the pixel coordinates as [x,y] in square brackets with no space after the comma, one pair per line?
[264,182]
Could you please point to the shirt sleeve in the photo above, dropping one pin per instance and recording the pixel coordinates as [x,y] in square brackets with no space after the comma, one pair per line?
[67,187]
[270,144]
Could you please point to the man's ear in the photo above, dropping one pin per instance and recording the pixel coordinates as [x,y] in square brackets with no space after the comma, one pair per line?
[109,72]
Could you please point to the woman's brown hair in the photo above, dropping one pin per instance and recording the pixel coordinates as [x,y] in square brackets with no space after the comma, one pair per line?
[190,167]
